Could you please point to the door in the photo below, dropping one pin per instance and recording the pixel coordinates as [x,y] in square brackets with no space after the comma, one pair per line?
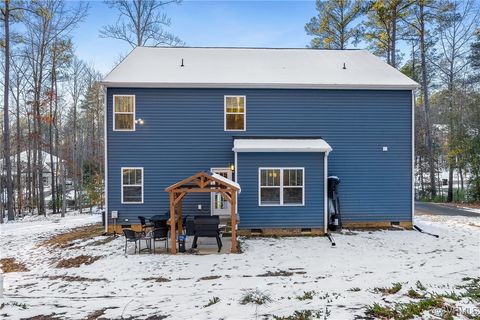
[219,205]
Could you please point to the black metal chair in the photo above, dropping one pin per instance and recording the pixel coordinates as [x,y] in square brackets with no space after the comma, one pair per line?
[132,236]
[207,226]
[160,233]
[144,224]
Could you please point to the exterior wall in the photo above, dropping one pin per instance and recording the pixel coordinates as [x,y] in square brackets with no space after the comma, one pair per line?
[183,133]
[253,216]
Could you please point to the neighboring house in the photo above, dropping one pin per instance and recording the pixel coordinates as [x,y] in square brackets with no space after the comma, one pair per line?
[47,171]
[282,119]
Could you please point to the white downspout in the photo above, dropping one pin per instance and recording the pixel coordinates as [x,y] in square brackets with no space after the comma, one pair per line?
[413,155]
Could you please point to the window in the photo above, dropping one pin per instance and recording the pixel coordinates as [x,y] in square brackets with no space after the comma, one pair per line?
[235,113]
[281,187]
[124,113]
[132,185]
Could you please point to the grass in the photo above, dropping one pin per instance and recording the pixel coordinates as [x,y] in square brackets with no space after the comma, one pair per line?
[209,278]
[405,311]
[355,289]
[64,240]
[412,293]
[11,265]
[420,286]
[279,273]
[396,287]
[77,261]
[472,289]
[76,278]
[303,315]
[256,297]
[212,301]
[307,295]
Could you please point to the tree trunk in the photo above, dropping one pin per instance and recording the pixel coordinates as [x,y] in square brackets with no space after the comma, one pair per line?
[6,121]
[50,132]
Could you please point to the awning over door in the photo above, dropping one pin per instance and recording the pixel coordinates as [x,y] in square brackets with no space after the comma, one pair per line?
[280,145]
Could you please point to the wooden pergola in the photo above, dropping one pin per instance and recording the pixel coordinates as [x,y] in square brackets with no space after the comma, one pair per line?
[201,182]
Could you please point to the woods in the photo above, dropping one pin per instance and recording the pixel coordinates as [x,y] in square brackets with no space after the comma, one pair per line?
[52,129]
[435,43]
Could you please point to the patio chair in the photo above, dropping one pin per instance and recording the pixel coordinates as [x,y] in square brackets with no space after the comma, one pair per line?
[207,226]
[132,236]
[160,233]
[144,224]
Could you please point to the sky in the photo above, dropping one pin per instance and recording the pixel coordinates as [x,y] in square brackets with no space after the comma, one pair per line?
[204,23]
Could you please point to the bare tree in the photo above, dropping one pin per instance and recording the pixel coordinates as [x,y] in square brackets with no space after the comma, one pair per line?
[141,23]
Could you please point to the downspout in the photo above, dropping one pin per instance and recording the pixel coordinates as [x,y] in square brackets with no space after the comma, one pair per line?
[105,156]
[325,193]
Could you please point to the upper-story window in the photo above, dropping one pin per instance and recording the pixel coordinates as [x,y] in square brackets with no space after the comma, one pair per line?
[124,112]
[132,185]
[235,113]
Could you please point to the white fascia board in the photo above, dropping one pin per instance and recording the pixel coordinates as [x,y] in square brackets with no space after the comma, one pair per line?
[281,145]
[259,86]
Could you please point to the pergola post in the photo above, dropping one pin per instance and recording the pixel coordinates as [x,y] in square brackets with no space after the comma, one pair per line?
[233,204]
[180,222]
[173,238]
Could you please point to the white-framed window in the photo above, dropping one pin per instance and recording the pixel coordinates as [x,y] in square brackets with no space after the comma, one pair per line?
[235,113]
[123,112]
[132,185]
[281,186]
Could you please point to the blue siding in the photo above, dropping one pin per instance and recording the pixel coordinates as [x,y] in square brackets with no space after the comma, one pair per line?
[254,216]
[183,133]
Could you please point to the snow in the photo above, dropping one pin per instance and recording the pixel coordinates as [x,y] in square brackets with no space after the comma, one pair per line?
[250,67]
[362,259]
[227,181]
[281,145]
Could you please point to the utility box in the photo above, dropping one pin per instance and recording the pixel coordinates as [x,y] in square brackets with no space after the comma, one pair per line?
[114,214]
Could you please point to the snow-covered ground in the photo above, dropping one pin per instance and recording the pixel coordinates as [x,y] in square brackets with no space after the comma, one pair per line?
[342,278]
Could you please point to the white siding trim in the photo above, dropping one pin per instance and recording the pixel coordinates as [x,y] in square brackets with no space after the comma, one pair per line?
[134,111]
[325,192]
[413,155]
[225,112]
[121,184]
[105,156]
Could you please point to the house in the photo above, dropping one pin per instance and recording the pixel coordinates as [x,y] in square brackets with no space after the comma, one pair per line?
[276,121]
[25,157]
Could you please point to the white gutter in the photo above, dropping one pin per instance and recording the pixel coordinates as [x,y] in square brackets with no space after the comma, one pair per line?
[141,84]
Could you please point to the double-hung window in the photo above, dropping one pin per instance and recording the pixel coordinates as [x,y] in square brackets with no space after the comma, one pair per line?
[124,112]
[281,187]
[235,113]
[132,185]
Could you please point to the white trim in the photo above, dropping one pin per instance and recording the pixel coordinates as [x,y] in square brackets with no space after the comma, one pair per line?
[114,112]
[413,155]
[105,156]
[225,112]
[131,185]
[257,85]
[281,187]
[212,194]
[281,145]
[325,192]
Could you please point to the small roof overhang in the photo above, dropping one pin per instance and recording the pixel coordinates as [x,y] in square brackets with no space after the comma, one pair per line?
[281,145]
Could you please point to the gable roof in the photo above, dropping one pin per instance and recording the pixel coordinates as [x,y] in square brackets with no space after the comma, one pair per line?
[255,68]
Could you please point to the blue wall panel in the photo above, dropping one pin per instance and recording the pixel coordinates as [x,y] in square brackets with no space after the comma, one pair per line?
[183,133]
[252,216]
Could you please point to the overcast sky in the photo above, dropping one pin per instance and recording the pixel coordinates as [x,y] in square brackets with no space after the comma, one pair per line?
[205,23]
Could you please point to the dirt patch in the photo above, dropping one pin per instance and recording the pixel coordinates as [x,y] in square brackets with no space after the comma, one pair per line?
[76,278]
[77,261]
[52,316]
[209,278]
[98,313]
[157,279]
[64,240]
[101,242]
[11,265]
[279,273]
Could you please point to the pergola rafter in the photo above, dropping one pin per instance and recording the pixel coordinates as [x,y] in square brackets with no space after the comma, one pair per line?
[200,182]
